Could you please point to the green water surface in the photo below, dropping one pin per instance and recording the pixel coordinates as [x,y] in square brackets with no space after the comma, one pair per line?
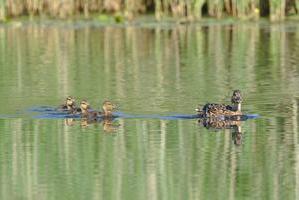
[149,70]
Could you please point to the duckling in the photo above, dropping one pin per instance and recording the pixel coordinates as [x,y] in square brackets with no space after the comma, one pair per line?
[107,109]
[86,112]
[69,106]
[212,109]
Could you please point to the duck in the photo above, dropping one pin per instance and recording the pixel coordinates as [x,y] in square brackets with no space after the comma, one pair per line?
[86,111]
[214,110]
[69,105]
[107,108]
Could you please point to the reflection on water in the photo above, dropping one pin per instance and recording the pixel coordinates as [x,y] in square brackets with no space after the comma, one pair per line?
[109,125]
[149,70]
[217,124]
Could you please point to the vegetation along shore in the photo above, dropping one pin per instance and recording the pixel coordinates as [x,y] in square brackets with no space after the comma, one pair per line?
[275,10]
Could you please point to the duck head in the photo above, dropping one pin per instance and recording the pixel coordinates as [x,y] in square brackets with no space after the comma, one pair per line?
[70,102]
[237,99]
[84,105]
[108,107]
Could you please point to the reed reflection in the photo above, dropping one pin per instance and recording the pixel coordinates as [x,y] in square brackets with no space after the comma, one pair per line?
[150,70]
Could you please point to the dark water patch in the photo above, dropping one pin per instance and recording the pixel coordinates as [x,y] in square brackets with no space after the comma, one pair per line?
[252,116]
[49,113]
[42,109]
[156,116]
[57,116]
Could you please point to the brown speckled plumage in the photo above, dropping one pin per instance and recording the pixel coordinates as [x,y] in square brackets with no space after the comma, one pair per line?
[212,109]
[107,110]
[70,106]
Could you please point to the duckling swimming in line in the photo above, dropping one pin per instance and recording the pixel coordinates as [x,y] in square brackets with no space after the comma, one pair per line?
[213,110]
[69,105]
[107,109]
[85,110]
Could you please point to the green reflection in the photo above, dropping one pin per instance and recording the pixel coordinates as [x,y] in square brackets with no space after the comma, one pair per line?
[158,70]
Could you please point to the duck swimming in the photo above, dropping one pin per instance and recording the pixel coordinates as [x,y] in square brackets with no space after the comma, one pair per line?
[107,109]
[86,111]
[69,105]
[214,110]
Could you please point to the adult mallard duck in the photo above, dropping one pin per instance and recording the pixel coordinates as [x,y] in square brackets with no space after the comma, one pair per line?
[213,109]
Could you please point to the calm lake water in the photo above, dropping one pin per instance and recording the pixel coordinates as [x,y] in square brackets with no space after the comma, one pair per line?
[149,70]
